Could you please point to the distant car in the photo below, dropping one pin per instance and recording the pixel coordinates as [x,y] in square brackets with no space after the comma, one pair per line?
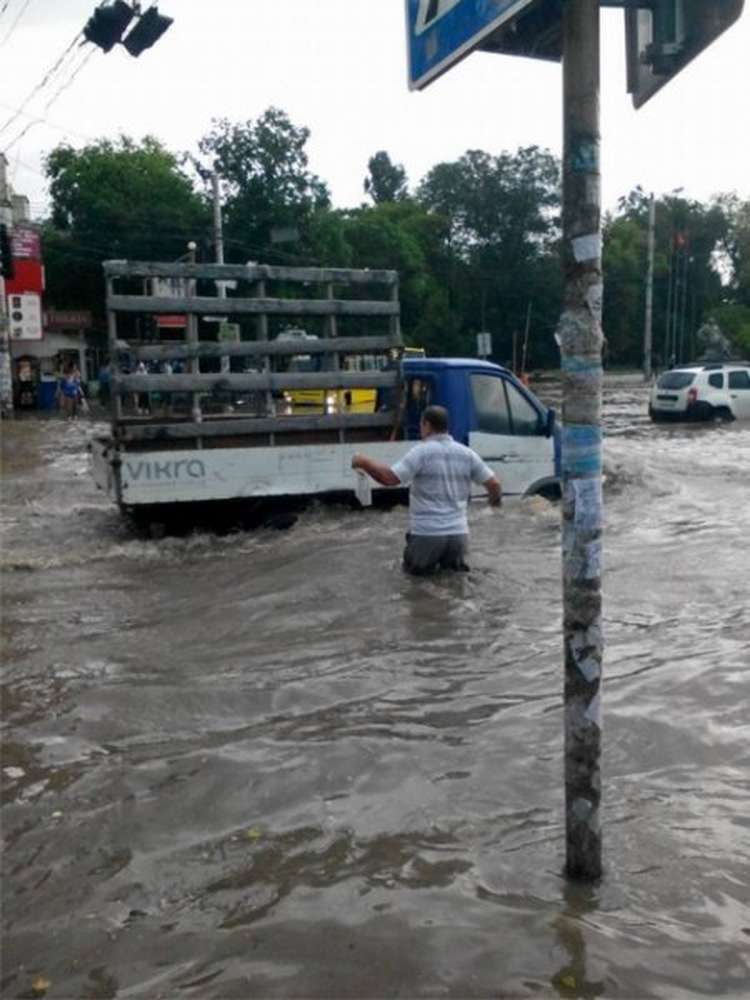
[718,391]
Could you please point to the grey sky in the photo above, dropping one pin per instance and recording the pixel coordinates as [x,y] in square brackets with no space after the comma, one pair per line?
[339,67]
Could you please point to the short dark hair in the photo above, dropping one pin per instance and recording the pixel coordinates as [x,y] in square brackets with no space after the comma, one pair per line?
[437,418]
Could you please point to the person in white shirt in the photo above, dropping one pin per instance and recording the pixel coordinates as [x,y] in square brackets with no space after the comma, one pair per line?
[439,473]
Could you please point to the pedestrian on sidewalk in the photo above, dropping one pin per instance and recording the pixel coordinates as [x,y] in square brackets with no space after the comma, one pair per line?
[70,393]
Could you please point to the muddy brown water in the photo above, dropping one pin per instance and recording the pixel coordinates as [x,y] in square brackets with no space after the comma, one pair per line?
[269,765]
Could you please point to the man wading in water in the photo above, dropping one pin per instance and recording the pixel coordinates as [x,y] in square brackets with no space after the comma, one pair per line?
[439,472]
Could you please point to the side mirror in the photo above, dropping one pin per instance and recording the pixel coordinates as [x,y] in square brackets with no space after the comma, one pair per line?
[549,424]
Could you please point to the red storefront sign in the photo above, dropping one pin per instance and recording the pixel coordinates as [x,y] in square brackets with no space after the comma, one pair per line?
[28,277]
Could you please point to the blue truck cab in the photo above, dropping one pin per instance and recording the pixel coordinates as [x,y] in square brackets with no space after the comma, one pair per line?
[492,412]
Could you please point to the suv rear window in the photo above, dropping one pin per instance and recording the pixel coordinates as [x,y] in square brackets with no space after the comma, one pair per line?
[675,380]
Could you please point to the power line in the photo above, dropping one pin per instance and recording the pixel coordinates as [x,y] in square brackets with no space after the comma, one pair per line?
[55,97]
[39,86]
[4,7]
[69,82]
[66,130]
[12,28]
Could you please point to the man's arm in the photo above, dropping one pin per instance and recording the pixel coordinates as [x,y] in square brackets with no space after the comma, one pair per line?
[378,471]
[494,491]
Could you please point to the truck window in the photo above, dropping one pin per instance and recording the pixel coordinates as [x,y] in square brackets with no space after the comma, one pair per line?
[524,417]
[490,404]
[419,395]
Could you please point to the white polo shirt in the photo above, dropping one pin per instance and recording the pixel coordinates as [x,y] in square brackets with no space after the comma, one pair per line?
[439,473]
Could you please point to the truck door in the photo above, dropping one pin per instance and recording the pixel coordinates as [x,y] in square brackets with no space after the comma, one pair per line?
[510,433]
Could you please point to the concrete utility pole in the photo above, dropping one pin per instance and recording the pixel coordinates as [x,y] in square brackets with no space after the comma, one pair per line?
[581,348]
[219,245]
[191,336]
[648,332]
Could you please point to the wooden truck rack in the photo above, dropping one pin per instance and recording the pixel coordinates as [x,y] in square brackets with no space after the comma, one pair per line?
[332,298]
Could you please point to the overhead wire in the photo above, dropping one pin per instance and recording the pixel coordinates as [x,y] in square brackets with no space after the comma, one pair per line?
[53,99]
[46,79]
[13,26]
[66,130]
[4,7]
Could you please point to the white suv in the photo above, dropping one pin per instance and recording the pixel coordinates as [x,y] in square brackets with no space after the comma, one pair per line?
[702,392]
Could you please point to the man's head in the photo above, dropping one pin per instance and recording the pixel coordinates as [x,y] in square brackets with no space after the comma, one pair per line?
[434,421]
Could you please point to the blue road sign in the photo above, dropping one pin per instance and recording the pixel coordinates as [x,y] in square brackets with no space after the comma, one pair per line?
[440,32]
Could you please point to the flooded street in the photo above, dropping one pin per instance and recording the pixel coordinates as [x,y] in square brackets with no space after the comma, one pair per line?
[268,764]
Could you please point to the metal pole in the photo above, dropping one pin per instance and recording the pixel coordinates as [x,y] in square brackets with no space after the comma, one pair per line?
[667,332]
[648,333]
[581,349]
[676,268]
[683,309]
[526,339]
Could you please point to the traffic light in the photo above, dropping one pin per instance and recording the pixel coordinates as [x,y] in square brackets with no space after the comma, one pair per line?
[663,36]
[107,25]
[7,269]
[148,30]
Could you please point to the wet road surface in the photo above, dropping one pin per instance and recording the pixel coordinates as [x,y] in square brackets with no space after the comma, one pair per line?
[269,765]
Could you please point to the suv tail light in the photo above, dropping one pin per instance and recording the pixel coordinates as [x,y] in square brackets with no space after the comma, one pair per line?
[692,396]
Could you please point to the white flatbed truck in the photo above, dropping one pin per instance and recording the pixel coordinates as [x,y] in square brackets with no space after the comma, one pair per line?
[216,436]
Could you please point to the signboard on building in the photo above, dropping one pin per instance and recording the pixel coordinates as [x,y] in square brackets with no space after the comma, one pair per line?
[28,276]
[26,243]
[25,316]
[68,319]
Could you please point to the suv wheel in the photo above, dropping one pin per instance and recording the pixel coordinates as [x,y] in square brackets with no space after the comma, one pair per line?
[723,415]
[702,411]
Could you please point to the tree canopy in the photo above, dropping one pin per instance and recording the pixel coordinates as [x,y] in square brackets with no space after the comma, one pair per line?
[385,181]
[114,199]
[264,166]
[475,242]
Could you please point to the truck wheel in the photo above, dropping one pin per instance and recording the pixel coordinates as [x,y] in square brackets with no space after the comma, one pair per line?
[551,492]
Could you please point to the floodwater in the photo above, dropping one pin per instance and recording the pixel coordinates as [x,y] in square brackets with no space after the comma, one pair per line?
[267,764]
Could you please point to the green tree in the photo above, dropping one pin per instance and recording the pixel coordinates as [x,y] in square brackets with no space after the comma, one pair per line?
[734,323]
[264,166]
[114,199]
[404,237]
[737,244]
[687,277]
[624,265]
[386,180]
[502,223]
